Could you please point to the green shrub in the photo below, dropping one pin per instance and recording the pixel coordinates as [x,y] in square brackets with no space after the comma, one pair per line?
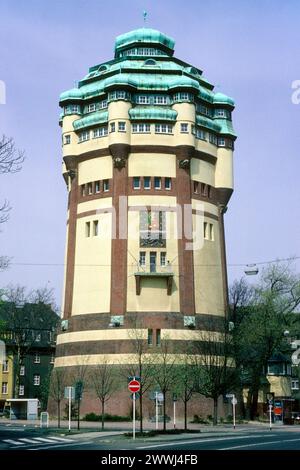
[107,417]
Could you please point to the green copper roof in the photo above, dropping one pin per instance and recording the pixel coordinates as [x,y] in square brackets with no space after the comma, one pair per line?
[161,114]
[220,98]
[144,37]
[208,123]
[73,94]
[91,120]
[226,127]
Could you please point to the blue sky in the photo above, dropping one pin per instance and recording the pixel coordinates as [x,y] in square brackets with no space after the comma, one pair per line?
[248,49]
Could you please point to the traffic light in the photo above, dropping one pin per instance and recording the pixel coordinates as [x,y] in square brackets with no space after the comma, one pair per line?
[78,390]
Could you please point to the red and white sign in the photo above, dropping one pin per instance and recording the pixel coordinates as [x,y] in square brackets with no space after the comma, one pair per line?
[134,386]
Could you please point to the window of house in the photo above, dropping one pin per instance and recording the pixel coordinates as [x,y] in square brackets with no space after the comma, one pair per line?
[276,368]
[22,370]
[157,182]
[83,190]
[143,99]
[220,113]
[163,128]
[136,182]
[200,134]
[167,183]
[150,336]
[205,230]
[38,337]
[142,260]
[88,229]
[158,337]
[83,136]
[121,126]
[95,228]
[211,232]
[203,189]
[5,366]
[37,358]
[160,100]
[221,142]
[91,108]
[295,384]
[105,185]
[213,139]
[97,187]
[163,258]
[100,132]
[103,104]
[196,186]
[90,188]
[67,139]
[4,388]
[112,127]
[21,390]
[141,128]
[36,379]
[183,127]
[147,182]
[208,191]
[153,229]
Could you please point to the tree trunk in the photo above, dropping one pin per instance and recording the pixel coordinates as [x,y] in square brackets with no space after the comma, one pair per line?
[164,411]
[141,412]
[58,413]
[185,415]
[102,414]
[254,404]
[78,417]
[248,404]
[215,417]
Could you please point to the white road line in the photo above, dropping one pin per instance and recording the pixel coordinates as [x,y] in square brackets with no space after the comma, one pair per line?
[63,445]
[30,441]
[60,439]
[43,439]
[15,443]
[181,443]
[260,444]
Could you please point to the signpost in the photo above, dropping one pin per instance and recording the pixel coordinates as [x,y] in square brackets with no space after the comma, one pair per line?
[234,403]
[134,386]
[70,394]
[174,409]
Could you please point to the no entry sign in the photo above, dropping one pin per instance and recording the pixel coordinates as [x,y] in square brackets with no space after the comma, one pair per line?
[134,386]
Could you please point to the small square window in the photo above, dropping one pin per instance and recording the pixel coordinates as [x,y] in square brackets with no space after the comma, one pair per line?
[184,127]
[163,258]
[157,182]
[221,142]
[168,183]
[67,139]
[121,126]
[22,370]
[147,182]
[112,127]
[105,185]
[136,182]
[21,390]
[37,358]
[91,108]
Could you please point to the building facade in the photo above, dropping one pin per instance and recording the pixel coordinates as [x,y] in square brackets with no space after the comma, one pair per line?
[148,163]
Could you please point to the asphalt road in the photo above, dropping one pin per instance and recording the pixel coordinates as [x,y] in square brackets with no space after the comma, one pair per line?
[16,438]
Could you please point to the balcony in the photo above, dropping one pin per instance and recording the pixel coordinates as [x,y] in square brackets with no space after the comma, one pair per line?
[154,272]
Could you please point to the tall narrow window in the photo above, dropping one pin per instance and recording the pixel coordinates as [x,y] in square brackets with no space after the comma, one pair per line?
[112,127]
[168,183]
[4,388]
[88,229]
[95,228]
[97,187]
[196,187]
[83,190]
[22,370]
[221,142]
[36,379]
[147,182]
[150,336]
[105,185]
[90,188]
[157,182]
[67,139]
[163,258]
[211,232]
[5,367]
[136,182]
[21,390]
[205,230]
[158,337]
[142,261]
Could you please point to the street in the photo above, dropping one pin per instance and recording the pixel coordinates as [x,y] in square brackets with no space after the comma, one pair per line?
[16,438]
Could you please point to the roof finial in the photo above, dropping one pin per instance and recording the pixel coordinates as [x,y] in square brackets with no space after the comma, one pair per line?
[145,14]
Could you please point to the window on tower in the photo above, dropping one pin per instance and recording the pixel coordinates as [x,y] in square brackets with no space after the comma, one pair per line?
[136,182]
[168,183]
[147,182]
[121,126]
[157,182]
[152,229]
[67,139]
[184,128]
[105,185]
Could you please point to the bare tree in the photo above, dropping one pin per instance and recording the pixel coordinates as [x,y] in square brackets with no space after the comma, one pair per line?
[104,383]
[80,379]
[185,381]
[142,366]
[11,158]
[214,367]
[164,372]
[57,389]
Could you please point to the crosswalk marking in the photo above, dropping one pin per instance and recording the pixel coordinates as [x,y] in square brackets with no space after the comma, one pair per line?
[16,443]
[30,441]
[60,439]
[43,439]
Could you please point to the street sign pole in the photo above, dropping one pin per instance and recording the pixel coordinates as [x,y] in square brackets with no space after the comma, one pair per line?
[233,409]
[70,401]
[174,413]
[270,413]
[133,404]
[156,411]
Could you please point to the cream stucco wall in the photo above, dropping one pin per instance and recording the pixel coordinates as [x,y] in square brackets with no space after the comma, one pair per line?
[152,164]
[95,169]
[224,168]
[95,204]
[91,293]
[280,385]
[202,171]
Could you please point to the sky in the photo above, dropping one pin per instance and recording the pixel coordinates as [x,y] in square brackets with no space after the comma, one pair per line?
[248,48]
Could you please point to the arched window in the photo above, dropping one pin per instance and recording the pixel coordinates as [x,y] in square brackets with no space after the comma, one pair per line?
[150,62]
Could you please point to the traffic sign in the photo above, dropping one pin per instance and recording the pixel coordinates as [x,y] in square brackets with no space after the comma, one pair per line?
[134,386]
[159,396]
[135,396]
[229,395]
[234,401]
[67,393]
